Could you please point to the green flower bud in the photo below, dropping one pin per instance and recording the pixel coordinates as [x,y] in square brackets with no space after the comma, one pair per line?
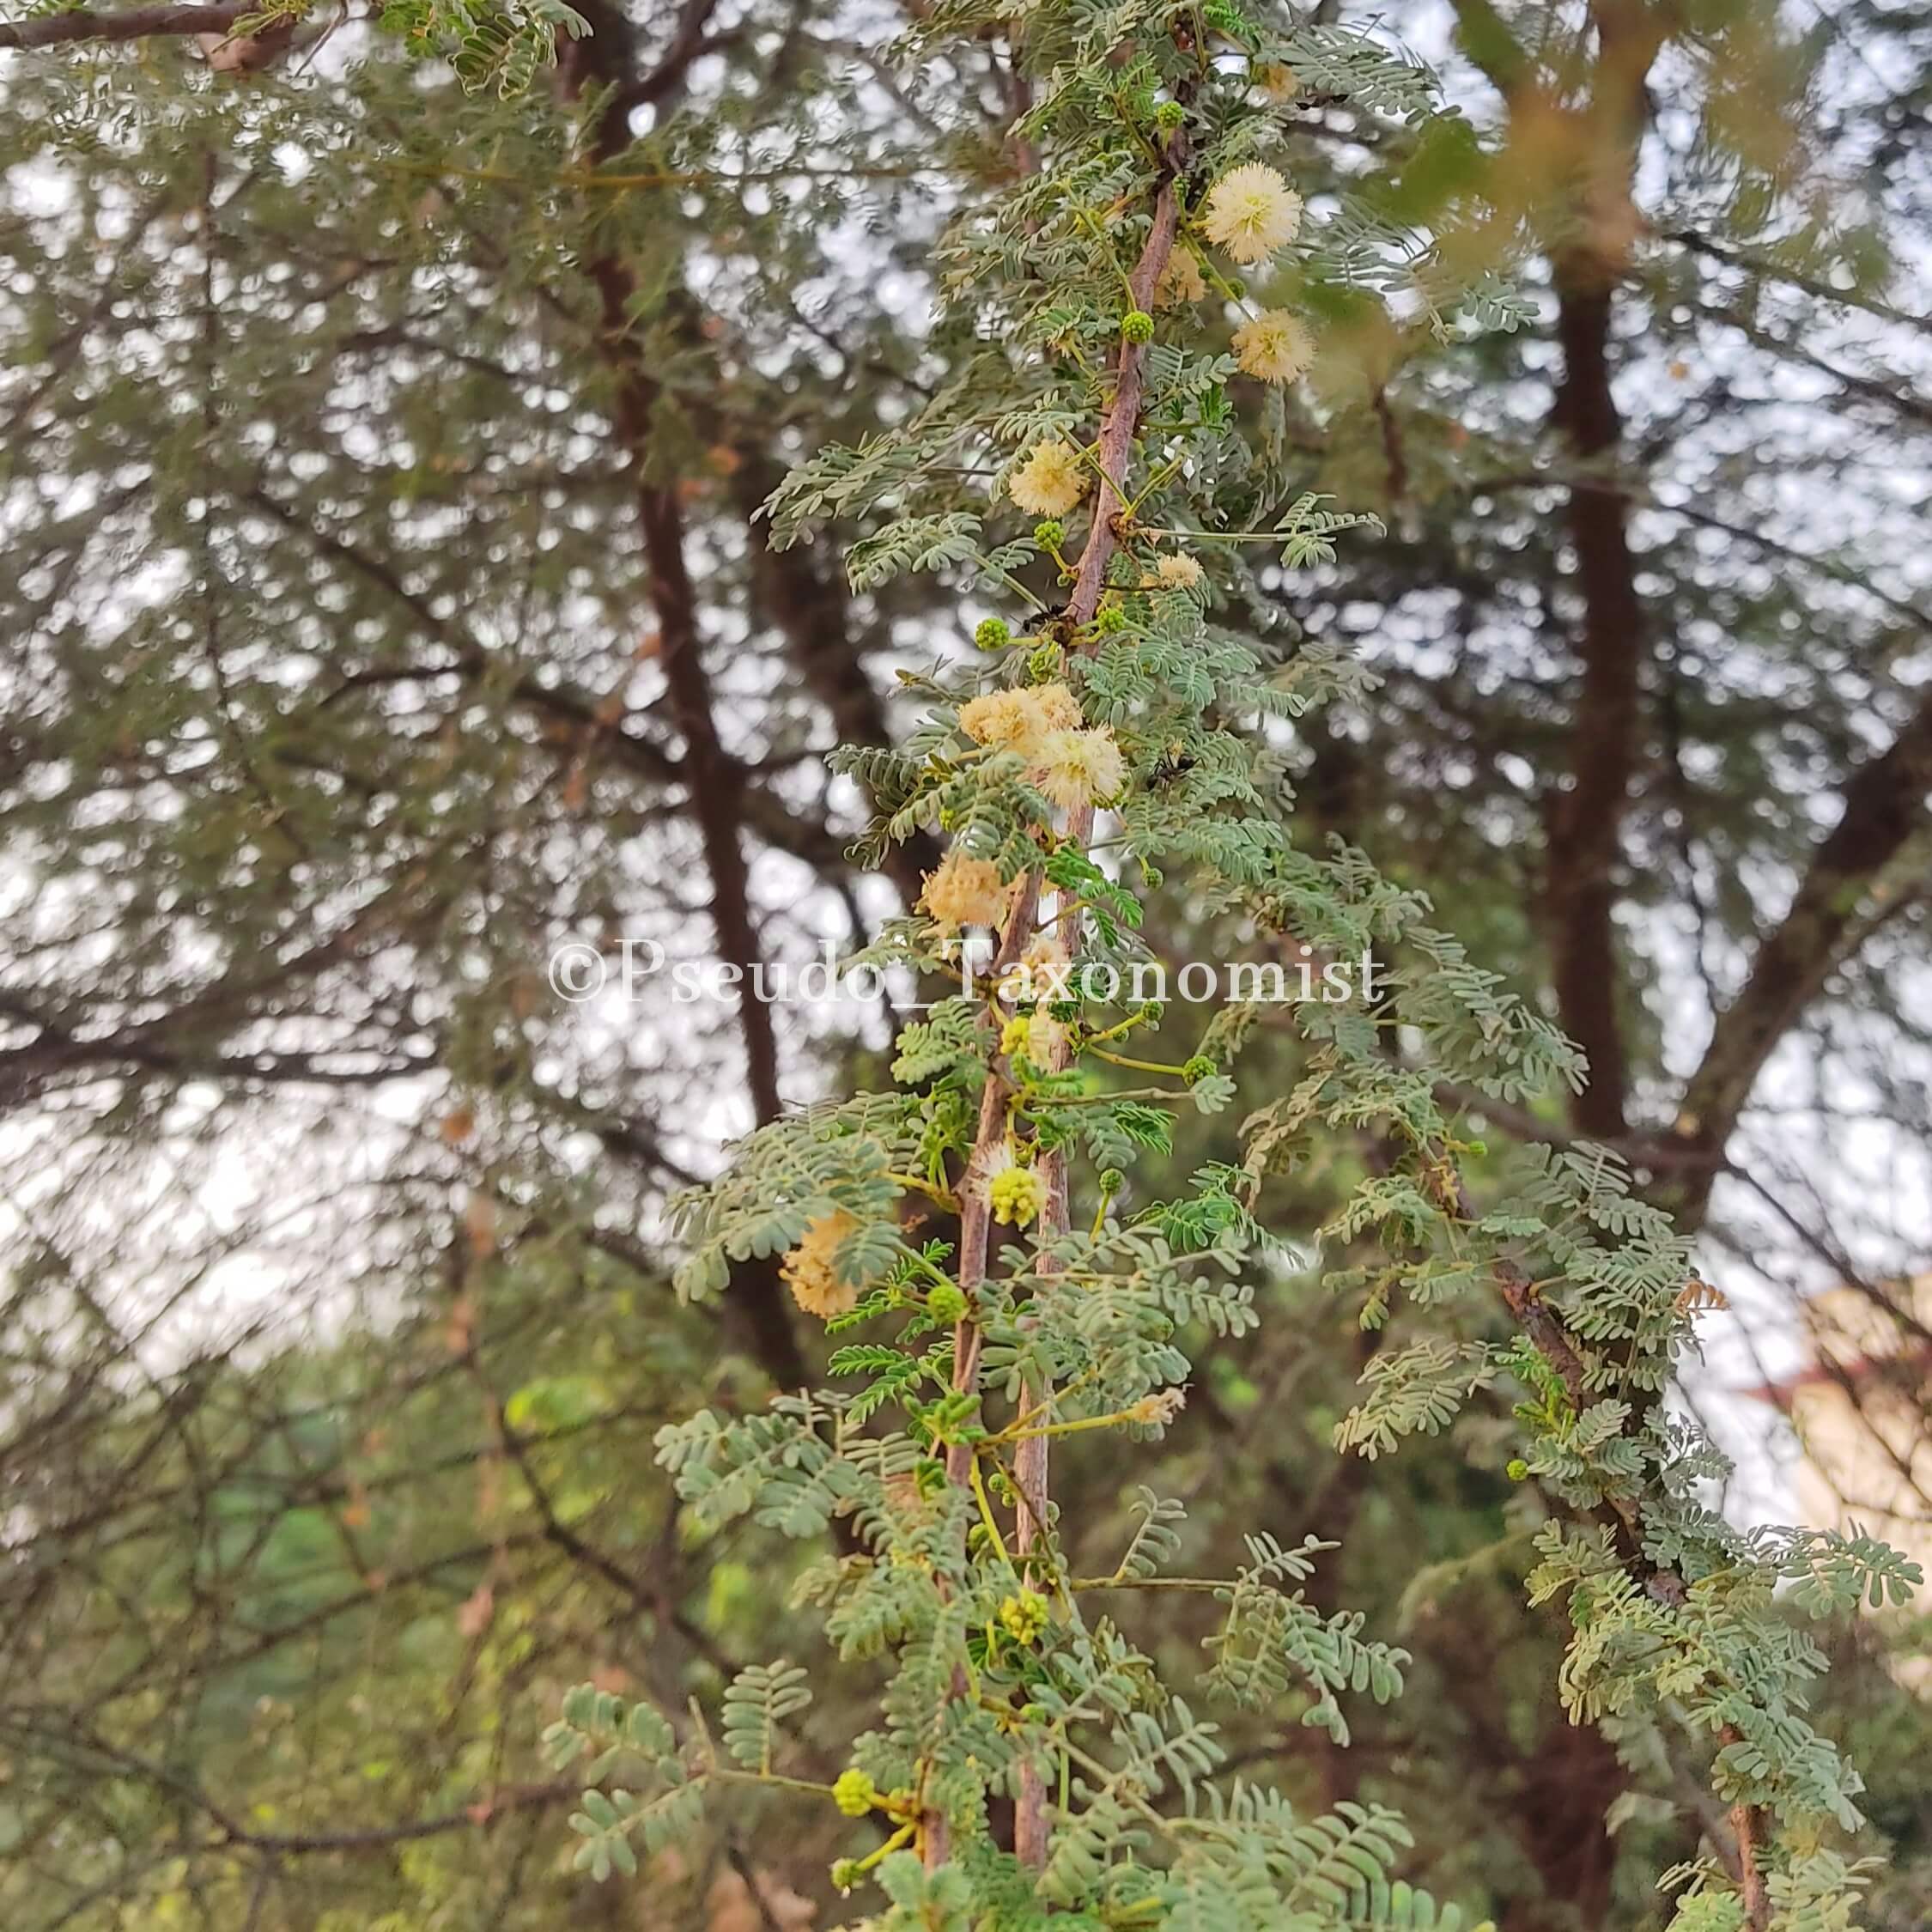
[1043,664]
[992,634]
[846,1874]
[854,1793]
[1049,535]
[1111,1182]
[1137,325]
[1516,1470]
[946,1303]
[1170,115]
[1198,1069]
[1110,620]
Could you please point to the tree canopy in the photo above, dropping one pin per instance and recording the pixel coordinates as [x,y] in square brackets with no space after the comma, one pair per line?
[435,539]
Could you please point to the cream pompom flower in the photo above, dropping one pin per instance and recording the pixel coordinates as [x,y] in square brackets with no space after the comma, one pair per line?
[1250,212]
[1276,346]
[1178,572]
[1004,720]
[1180,281]
[1043,951]
[1058,709]
[1050,482]
[965,892]
[808,1271]
[1075,769]
[1045,1040]
[1277,82]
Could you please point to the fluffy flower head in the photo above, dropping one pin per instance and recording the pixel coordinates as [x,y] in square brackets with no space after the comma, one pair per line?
[965,892]
[1276,346]
[1250,212]
[1016,1195]
[1058,709]
[1045,1040]
[808,1272]
[1277,81]
[1178,572]
[1008,720]
[1075,769]
[1050,482]
[1180,281]
[1044,949]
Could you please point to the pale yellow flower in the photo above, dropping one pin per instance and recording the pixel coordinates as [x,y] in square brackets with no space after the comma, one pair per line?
[965,892]
[1178,572]
[1007,721]
[1050,482]
[1180,281]
[1075,769]
[1276,81]
[1276,346]
[1044,948]
[1250,212]
[1046,1038]
[1156,1412]
[1060,710]
[808,1272]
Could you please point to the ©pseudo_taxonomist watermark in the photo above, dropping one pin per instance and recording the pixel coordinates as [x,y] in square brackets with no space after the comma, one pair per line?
[640,970]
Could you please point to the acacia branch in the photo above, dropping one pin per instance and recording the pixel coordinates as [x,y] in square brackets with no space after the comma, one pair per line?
[135,23]
[716,783]
[1885,806]
[1119,429]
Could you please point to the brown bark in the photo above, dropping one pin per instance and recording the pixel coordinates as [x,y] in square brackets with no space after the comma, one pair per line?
[135,23]
[1585,820]
[714,780]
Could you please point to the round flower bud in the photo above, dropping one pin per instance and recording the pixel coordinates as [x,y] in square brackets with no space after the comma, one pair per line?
[1170,115]
[854,1792]
[1111,1182]
[992,634]
[846,1874]
[946,1303]
[1516,1470]
[1049,535]
[1197,1069]
[1137,325]
[1042,664]
[1110,619]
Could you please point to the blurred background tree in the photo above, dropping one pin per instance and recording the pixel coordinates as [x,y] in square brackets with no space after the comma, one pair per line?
[387,606]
